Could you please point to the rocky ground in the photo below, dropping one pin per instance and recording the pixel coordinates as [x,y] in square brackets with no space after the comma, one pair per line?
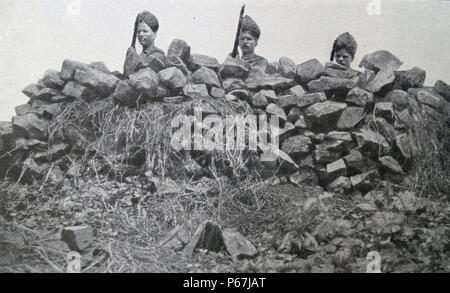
[266,227]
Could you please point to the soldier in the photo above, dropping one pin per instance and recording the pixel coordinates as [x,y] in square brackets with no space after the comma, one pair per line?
[248,40]
[145,29]
[344,49]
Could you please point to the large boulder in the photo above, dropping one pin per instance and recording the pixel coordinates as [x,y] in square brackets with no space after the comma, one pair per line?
[327,83]
[399,98]
[443,89]
[309,70]
[53,80]
[269,82]
[199,60]
[380,60]
[297,145]
[69,67]
[371,142]
[234,68]
[173,78]
[196,91]
[287,67]
[359,97]
[350,118]
[101,82]
[324,115]
[29,126]
[206,76]
[145,81]
[413,78]
[126,95]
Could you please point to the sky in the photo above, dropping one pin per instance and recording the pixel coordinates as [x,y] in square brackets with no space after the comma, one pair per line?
[36,35]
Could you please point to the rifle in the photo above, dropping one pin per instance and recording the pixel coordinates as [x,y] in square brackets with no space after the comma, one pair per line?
[236,39]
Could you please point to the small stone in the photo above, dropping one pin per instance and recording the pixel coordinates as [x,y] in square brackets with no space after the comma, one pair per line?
[145,81]
[340,185]
[78,238]
[324,115]
[231,84]
[356,162]
[389,164]
[413,78]
[259,100]
[310,70]
[103,83]
[300,123]
[326,83]
[207,236]
[385,110]
[237,245]
[217,92]
[304,176]
[287,67]
[29,126]
[298,144]
[399,98]
[172,78]
[206,76]
[125,95]
[359,97]
[270,95]
[69,67]
[199,60]
[196,91]
[32,90]
[364,182]
[273,109]
[404,120]
[297,90]
[380,60]
[52,80]
[294,114]
[403,148]
[269,82]
[350,118]
[234,68]
[443,89]
[336,169]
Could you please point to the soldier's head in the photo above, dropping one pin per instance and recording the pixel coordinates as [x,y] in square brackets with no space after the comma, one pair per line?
[146,27]
[250,33]
[344,49]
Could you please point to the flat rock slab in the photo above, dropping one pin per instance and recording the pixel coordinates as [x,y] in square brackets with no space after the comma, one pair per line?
[269,82]
[196,91]
[199,60]
[380,60]
[326,83]
[310,70]
[238,246]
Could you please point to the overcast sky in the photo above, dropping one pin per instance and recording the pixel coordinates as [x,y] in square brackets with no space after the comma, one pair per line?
[36,35]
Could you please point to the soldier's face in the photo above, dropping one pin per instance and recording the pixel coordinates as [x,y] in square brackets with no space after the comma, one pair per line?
[145,35]
[247,43]
[343,58]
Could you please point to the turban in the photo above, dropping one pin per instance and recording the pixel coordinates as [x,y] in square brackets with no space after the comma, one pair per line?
[250,26]
[149,19]
[345,41]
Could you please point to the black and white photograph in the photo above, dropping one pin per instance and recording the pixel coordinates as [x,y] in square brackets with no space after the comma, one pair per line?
[224,136]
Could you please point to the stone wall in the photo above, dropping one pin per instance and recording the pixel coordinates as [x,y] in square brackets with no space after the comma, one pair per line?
[342,128]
